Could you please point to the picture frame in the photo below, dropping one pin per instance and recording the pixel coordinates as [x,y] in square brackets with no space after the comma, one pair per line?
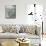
[10,12]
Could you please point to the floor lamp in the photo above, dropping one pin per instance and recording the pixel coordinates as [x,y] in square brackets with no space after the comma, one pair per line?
[42,26]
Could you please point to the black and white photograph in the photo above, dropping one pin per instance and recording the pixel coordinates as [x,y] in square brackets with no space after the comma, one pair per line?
[10,11]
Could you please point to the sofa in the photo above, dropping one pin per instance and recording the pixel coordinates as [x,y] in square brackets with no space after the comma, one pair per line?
[19,31]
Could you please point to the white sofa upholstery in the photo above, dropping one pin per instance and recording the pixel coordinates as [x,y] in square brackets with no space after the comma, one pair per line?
[17,30]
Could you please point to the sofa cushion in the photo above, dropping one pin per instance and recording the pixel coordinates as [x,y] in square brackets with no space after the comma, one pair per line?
[30,29]
[9,28]
[21,29]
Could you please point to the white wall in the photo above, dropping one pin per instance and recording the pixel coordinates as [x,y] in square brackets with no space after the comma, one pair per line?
[21,16]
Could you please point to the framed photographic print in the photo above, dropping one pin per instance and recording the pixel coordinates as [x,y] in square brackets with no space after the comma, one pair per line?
[10,11]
